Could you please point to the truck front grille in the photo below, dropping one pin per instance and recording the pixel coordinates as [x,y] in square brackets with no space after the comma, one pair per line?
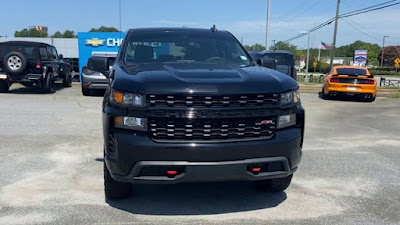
[212,101]
[211,130]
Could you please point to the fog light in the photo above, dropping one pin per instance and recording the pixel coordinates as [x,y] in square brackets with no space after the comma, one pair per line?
[286,121]
[134,123]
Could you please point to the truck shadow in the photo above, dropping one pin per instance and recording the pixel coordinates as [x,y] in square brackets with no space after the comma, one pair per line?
[197,199]
[343,98]
[19,89]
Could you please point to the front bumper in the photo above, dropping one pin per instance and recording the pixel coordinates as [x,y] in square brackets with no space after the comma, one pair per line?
[202,161]
[94,81]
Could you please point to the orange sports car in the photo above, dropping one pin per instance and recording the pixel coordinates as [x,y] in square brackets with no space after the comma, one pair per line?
[350,81]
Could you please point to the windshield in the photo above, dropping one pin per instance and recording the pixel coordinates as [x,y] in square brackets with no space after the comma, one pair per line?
[184,47]
[283,61]
[351,71]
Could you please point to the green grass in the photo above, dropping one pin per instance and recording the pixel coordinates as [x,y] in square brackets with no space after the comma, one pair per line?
[395,95]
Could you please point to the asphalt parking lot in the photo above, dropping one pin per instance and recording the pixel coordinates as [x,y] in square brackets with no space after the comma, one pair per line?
[52,171]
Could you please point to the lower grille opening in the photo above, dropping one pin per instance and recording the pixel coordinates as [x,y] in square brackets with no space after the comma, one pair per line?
[161,171]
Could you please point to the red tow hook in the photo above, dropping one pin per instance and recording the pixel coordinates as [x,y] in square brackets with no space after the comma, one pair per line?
[255,170]
[172,173]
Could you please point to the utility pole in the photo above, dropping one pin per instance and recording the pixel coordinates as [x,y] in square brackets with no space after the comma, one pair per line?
[335,32]
[120,17]
[383,50]
[274,41]
[307,79]
[267,25]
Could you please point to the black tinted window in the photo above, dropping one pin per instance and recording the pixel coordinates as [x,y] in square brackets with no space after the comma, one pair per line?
[351,71]
[185,47]
[29,52]
[50,53]
[43,53]
[283,61]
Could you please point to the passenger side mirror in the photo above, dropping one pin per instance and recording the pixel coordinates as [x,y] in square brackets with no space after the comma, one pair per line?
[259,62]
[60,56]
[101,64]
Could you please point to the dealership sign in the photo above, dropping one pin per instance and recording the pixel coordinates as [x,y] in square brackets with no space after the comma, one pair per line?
[98,43]
[360,57]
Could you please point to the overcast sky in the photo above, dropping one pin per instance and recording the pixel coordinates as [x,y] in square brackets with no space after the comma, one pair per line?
[244,18]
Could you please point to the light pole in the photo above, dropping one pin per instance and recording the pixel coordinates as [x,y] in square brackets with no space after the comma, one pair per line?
[383,49]
[267,24]
[335,33]
[306,79]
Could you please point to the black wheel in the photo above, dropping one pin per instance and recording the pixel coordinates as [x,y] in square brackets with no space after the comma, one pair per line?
[14,62]
[114,189]
[323,95]
[274,185]
[87,92]
[4,86]
[67,82]
[48,83]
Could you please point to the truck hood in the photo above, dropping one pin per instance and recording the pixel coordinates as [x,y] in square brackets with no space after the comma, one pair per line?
[204,79]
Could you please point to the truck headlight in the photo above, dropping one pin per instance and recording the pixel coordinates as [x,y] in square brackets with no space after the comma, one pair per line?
[290,97]
[286,121]
[128,99]
[133,123]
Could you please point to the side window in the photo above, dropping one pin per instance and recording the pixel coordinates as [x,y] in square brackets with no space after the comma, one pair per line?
[50,53]
[43,53]
[54,51]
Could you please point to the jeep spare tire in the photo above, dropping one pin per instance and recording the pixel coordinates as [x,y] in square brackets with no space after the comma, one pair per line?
[14,62]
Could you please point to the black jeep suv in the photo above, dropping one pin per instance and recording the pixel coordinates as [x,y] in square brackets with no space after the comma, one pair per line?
[190,105]
[32,63]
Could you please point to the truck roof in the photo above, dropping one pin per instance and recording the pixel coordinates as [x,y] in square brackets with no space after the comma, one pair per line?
[176,29]
[25,43]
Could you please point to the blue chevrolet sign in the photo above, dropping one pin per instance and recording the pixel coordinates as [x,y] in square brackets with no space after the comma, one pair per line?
[91,43]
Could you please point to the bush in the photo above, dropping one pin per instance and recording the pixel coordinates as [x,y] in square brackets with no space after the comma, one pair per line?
[321,67]
[382,72]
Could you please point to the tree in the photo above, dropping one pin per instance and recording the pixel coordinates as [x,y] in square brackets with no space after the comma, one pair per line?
[348,51]
[391,53]
[104,29]
[57,34]
[69,34]
[255,47]
[280,45]
[30,33]
[66,34]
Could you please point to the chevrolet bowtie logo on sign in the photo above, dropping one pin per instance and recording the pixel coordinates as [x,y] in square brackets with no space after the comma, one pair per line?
[94,42]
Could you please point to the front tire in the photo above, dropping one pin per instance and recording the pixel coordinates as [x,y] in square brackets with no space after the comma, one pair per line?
[274,185]
[114,189]
[67,81]
[49,84]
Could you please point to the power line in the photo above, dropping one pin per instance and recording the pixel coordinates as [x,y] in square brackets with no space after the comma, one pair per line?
[361,31]
[297,15]
[366,34]
[344,15]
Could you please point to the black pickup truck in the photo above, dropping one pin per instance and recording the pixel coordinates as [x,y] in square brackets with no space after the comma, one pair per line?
[32,63]
[190,105]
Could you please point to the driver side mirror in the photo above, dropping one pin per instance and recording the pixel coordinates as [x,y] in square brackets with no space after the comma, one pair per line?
[101,64]
[60,56]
